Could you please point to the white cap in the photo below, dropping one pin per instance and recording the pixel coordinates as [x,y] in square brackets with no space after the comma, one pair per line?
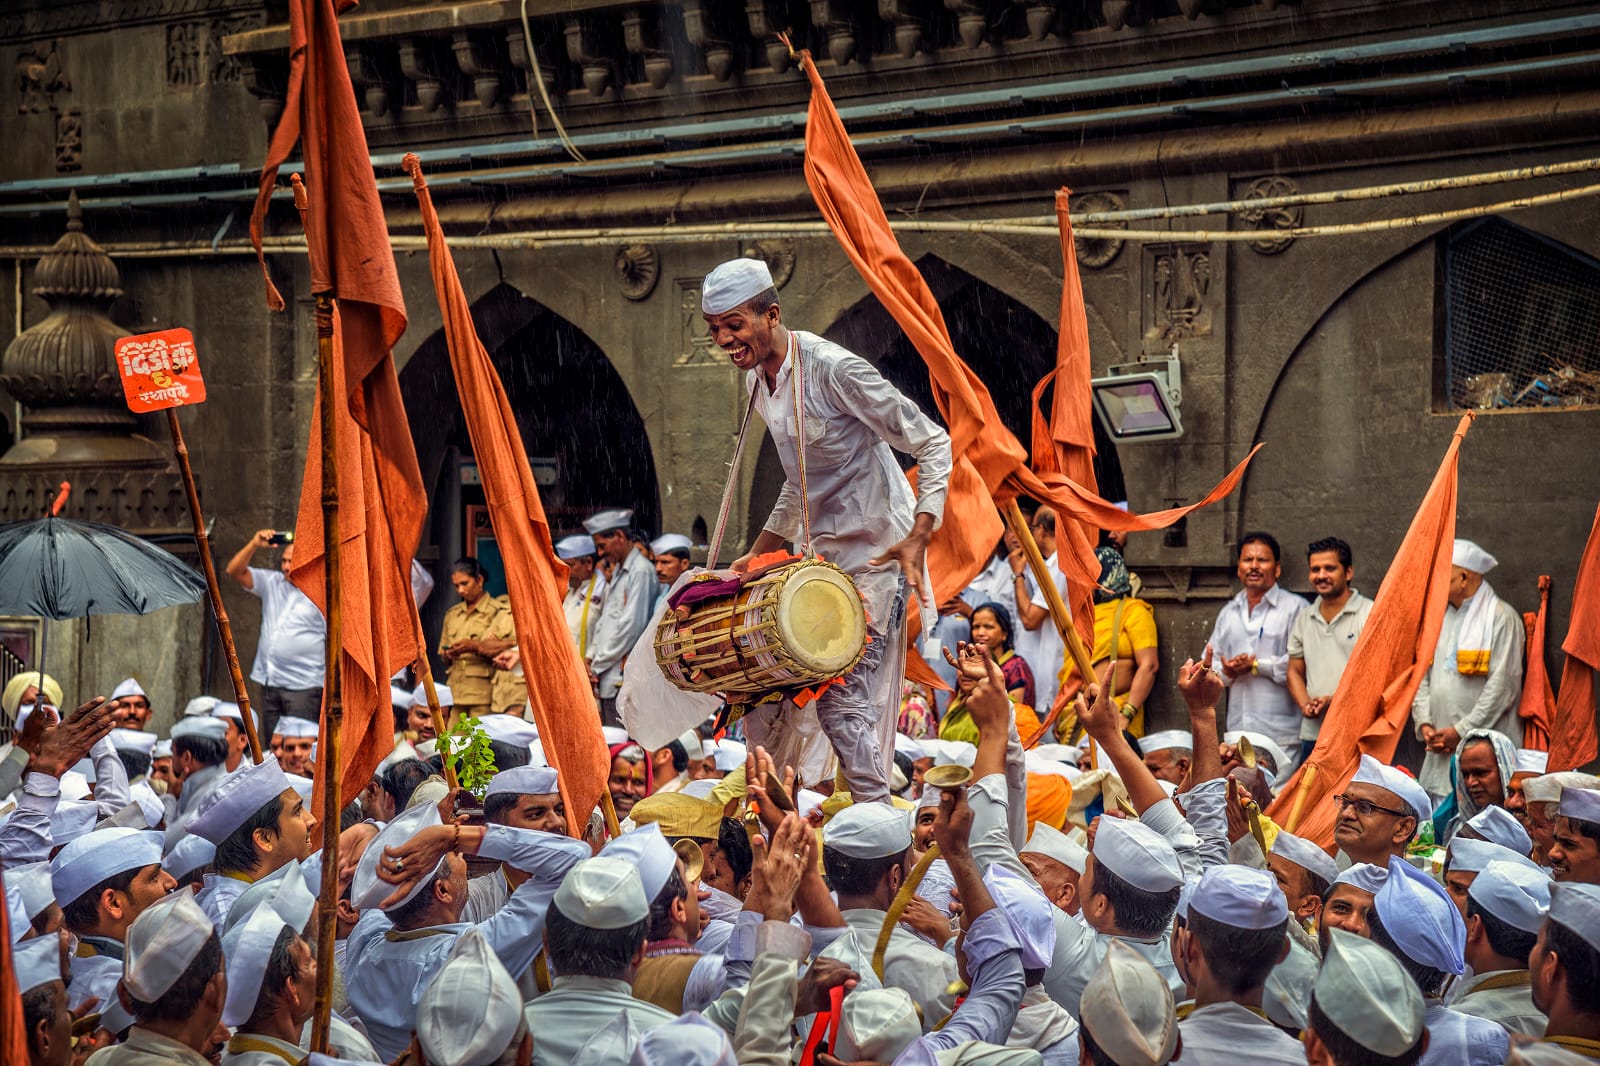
[162,749]
[1518,893]
[128,687]
[648,852]
[614,735]
[419,696]
[161,944]
[687,1040]
[1240,896]
[1167,740]
[1468,855]
[200,706]
[1363,875]
[1052,843]
[868,831]
[133,740]
[226,710]
[1027,912]
[523,781]
[37,962]
[1531,762]
[188,855]
[671,542]
[291,726]
[366,890]
[807,801]
[98,855]
[1287,993]
[1582,804]
[200,725]
[607,520]
[1137,854]
[951,752]
[471,1010]
[1575,905]
[1422,918]
[729,756]
[149,803]
[1127,1008]
[575,547]
[284,890]
[734,283]
[237,797]
[508,729]
[247,947]
[602,893]
[1548,787]
[1469,556]
[1306,855]
[1036,763]
[32,887]
[71,819]
[1403,785]
[877,1024]
[910,748]
[76,781]
[1501,826]
[1365,992]
[1062,753]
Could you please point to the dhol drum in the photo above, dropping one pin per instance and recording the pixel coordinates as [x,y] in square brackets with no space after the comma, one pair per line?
[790,628]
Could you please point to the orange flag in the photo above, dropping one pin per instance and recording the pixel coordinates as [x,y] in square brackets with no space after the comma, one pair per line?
[988,457]
[1373,700]
[1538,704]
[558,689]
[13,1029]
[381,499]
[1572,732]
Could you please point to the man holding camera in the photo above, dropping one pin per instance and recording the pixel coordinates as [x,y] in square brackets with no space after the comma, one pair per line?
[289,656]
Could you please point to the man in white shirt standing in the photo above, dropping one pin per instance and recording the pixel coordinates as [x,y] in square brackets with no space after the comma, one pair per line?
[1251,642]
[586,589]
[1323,635]
[290,654]
[631,593]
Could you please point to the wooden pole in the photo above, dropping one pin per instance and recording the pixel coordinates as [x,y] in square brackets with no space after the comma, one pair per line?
[1300,797]
[241,695]
[425,673]
[329,751]
[1052,594]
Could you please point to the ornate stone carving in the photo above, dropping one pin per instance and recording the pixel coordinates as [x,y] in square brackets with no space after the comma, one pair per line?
[183,54]
[907,23]
[779,255]
[599,73]
[972,21]
[1268,219]
[1098,253]
[766,18]
[1040,17]
[703,30]
[695,346]
[419,62]
[221,67]
[40,75]
[642,37]
[638,269]
[69,141]
[1177,292]
[1117,12]
[476,56]
[832,17]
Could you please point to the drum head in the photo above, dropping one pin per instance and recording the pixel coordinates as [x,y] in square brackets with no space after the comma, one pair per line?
[821,620]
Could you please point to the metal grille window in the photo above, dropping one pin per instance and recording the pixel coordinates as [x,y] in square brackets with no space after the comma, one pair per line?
[1522,320]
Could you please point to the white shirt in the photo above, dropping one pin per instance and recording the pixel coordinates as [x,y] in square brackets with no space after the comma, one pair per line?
[1456,1039]
[1510,1005]
[623,616]
[860,501]
[994,584]
[575,1009]
[1219,1032]
[1326,646]
[910,963]
[1260,702]
[1042,648]
[294,634]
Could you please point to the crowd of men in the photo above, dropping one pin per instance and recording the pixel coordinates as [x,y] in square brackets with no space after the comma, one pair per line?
[930,900]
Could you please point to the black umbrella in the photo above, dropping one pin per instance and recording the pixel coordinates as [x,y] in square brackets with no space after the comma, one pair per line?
[59,568]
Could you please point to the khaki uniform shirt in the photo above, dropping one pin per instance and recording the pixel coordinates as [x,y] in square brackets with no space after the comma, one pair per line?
[470,677]
[508,690]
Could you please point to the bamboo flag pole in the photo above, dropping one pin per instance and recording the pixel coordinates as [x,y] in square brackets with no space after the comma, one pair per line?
[1052,594]
[241,695]
[1306,778]
[329,752]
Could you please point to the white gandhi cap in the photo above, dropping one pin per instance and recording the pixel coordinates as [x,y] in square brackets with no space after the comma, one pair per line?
[162,942]
[1469,556]
[1167,740]
[37,962]
[299,728]
[1240,896]
[471,1010]
[1582,804]
[608,520]
[1518,893]
[200,725]
[877,1024]
[1501,826]
[247,947]
[1365,876]
[99,855]
[734,283]
[1470,856]
[128,687]
[1052,843]
[1127,1008]
[237,797]
[1424,921]
[366,890]
[1547,788]
[1137,854]
[1576,906]
[523,781]
[509,729]
[133,740]
[688,1040]
[1027,912]
[648,852]
[1403,785]
[575,547]
[868,831]
[1306,855]
[1364,991]
[1532,762]
[671,542]
[31,887]
[602,893]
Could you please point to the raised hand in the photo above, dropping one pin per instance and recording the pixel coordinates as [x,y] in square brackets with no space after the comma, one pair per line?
[1199,683]
[54,747]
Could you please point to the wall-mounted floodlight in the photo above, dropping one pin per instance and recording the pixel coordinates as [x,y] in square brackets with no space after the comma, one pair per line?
[1139,401]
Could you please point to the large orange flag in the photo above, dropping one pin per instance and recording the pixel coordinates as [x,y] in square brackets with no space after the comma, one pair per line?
[1391,657]
[1573,742]
[1538,704]
[558,683]
[13,1030]
[988,457]
[382,503]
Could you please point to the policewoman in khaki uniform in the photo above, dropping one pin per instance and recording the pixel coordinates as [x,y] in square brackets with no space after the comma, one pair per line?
[509,694]
[466,640]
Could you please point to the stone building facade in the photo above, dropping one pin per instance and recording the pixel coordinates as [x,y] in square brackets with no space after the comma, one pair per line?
[1349,355]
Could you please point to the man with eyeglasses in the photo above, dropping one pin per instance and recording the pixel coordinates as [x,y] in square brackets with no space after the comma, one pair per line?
[1379,813]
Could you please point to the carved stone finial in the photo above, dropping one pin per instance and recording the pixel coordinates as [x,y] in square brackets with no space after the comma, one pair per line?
[1098,252]
[638,269]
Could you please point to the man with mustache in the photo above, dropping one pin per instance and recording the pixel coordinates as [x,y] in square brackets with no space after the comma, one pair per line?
[1323,636]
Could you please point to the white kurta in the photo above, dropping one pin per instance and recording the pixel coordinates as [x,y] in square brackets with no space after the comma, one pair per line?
[1456,1039]
[1448,698]
[624,613]
[911,963]
[144,1048]
[1511,1005]
[568,1016]
[217,896]
[1260,702]
[1219,1032]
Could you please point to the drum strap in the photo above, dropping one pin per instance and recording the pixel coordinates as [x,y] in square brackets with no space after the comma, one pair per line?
[800,444]
[715,548]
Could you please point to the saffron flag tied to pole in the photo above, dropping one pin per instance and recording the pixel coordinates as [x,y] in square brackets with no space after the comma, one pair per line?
[1538,704]
[558,689]
[1573,742]
[13,1030]
[1372,702]
[381,499]
[990,463]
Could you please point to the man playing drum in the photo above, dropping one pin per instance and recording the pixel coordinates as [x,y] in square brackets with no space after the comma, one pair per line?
[862,514]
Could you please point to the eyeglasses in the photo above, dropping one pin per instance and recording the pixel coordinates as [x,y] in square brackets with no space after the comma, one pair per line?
[1364,808]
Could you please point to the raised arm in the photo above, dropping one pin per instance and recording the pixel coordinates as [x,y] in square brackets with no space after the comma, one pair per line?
[239,565]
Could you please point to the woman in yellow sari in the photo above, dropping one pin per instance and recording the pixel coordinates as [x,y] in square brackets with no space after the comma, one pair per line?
[1122,618]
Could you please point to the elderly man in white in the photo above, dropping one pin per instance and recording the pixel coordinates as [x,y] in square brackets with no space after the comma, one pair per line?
[1476,676]
[863,515]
